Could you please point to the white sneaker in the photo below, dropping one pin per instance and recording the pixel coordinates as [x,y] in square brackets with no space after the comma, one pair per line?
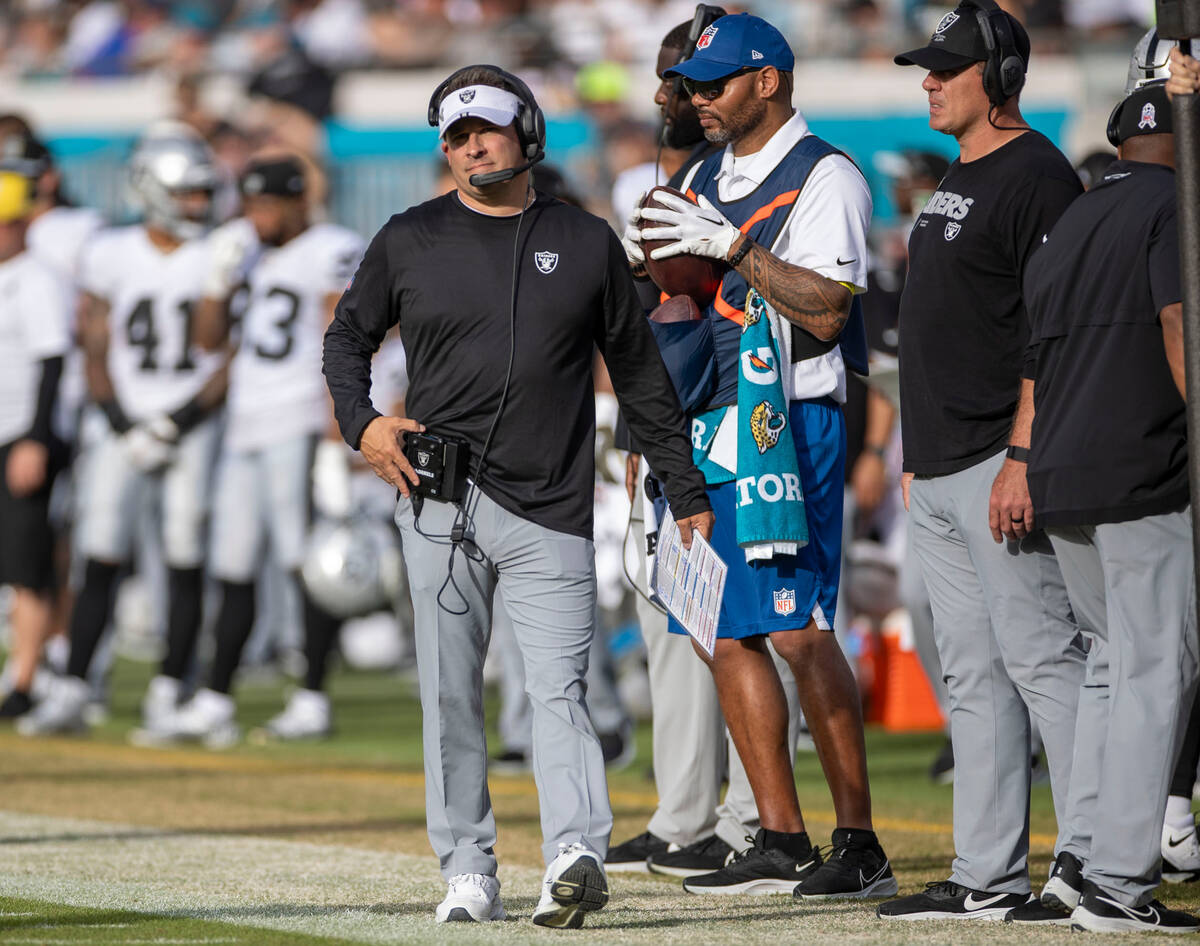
[160,702]
[574,884]
[471,898]
[1180,855]
[62,711]
[207,717]
[306,716]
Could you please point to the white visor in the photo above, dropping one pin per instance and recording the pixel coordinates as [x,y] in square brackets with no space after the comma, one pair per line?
[478,101]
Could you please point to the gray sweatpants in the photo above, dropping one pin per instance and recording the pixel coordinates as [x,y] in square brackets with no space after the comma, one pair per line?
[691,745]
[548,581]
[1006,642]
[1133,587]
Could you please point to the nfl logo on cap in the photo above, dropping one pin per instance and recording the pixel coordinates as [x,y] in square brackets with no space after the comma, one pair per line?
[1148,116]
[706,37]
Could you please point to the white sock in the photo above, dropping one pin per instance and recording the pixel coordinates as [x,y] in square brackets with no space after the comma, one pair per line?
[1179,813]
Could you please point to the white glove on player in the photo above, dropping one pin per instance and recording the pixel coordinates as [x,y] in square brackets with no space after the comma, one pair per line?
[231,249]
[150,445]
[631,239]
[697,230]
[331,479]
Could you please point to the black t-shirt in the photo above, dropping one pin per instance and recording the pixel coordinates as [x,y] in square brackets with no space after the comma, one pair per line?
[444,273]
[963,328]
[1109,432]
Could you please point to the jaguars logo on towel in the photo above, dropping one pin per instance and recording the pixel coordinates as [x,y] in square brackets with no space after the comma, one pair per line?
[756,306]
[766,424]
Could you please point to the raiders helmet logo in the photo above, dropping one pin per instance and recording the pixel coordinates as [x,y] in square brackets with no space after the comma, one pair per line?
[1148,116]
[706,38]
[952,229]
[945,23]
[466,96]
[545,262]
[766,424]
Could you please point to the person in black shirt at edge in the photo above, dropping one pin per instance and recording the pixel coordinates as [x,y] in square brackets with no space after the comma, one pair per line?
[1109,480]
[490,269]
[1001,617]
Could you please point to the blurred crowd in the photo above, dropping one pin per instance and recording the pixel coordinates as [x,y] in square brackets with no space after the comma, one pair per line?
[298,47]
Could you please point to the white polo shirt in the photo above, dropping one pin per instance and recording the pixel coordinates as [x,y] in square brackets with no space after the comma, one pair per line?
[826,231]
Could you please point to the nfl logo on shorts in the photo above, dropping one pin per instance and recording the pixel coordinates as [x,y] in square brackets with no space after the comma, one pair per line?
[785,601]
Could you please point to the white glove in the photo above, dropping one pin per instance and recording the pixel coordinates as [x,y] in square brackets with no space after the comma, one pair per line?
[231,248]
[151,444]
[697,230]
[331,479]
[631,239]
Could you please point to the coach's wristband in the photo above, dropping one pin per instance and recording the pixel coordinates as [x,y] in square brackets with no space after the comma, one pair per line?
[740,255]
[1020,454]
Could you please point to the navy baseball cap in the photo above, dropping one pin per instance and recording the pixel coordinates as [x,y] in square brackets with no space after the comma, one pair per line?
[957,42]
[733,42]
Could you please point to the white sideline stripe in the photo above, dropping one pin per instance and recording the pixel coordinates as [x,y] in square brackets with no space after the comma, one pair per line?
[293,886]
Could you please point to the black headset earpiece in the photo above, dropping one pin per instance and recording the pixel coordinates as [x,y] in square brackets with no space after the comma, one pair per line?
[1004,71]
[1113,131]
[530,123]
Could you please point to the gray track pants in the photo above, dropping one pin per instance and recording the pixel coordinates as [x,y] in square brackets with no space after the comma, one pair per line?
[548,581]
[1006,642]
[691,745]
[1132,585]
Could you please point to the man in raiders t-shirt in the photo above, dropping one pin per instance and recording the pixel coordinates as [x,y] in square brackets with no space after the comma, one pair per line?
[1108,474]
[1001,616]
[490,276]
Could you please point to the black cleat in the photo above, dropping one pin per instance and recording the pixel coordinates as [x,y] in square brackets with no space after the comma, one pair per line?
[1099,913]
[707,854]
[757,870]
[634,853]
[1035,911]
[853,870]
[946,900]
[1063,888]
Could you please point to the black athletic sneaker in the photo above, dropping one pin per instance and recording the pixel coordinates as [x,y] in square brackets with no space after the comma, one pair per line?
[632,855]
[853,869]
[707,854]
[15,704]
[942,769]
[1099,913]
[1037,912]
[946,900]
[756,870]
[1063,888]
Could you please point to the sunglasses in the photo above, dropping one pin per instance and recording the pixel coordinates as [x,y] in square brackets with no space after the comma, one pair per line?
[713,90]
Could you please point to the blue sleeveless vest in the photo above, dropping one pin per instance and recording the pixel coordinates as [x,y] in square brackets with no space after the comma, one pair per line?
[762,214]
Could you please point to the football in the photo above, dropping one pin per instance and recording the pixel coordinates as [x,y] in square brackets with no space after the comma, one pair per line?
[686,275]
[677,309]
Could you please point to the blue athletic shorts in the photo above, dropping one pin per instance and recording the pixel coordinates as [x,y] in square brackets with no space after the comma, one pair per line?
[782,593]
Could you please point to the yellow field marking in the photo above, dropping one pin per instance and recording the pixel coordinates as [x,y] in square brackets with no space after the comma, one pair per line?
[501,786]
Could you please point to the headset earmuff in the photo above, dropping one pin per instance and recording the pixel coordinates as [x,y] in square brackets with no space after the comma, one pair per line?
[1113,131]
[1004,70]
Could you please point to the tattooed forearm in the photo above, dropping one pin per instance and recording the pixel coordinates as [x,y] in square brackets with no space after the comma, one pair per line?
[811,301]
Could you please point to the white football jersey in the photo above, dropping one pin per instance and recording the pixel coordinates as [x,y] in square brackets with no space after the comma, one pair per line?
[60,235]
[34,314]
[154,366]
[276,389]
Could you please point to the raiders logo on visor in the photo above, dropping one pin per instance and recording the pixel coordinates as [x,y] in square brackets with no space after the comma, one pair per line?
[466,95]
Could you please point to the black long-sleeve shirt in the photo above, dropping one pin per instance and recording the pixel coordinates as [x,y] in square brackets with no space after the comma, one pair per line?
[445,274]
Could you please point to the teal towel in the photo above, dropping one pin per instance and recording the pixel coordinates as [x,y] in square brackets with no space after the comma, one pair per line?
[770,501]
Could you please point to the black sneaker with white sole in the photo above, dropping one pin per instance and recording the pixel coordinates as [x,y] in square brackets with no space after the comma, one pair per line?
[1035,911]
[946,900]
[855,868]
[1099,913]
[632,855]
[1063,888]
[707,854]
[756,870]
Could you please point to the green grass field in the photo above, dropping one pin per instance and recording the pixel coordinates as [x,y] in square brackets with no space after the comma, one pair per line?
[104,843]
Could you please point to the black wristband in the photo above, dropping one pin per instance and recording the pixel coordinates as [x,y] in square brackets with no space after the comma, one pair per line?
[116,417]
[188,416]
[1020,454]
[740,255]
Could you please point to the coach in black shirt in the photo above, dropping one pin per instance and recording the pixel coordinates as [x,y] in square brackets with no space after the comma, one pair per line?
[501,294]
[1108,476]
[1001,620]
